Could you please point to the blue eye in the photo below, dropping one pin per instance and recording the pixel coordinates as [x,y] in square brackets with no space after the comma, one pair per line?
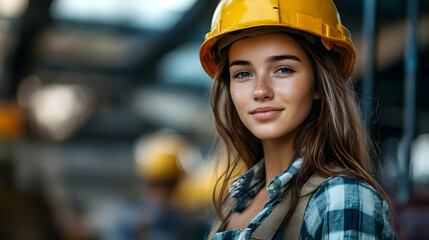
[285,70]
[242,75]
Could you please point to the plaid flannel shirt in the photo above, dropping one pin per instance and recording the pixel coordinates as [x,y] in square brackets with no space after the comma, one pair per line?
[342,207]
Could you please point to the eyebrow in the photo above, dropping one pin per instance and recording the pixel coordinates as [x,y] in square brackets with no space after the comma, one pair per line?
[239,62]
[269,59]
[283,57]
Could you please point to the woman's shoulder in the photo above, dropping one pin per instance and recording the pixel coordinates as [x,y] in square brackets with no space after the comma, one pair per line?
[347,188]
[345,206]
[344,193]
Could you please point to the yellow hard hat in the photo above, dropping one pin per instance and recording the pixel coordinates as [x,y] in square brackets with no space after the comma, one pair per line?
[11,121]
[317,17]
[157,156]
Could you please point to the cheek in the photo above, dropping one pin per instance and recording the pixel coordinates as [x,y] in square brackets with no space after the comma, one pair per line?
[238,96]
[304,89]
[298,96]
[240,101]
[295,91]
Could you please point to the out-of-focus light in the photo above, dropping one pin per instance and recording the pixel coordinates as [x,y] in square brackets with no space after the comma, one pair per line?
[153,14]
[172,108]
[169,109]
[420,160]
[187,67]
[196,190]
[56,110]
[12,8]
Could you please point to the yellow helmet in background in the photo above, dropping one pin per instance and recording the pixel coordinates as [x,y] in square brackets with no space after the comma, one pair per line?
[11,121]
[158,155]
[317,17]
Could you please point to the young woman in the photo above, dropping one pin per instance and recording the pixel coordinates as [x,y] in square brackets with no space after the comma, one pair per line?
[282,105]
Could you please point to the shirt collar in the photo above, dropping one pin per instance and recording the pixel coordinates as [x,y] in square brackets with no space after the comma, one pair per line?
[247,185]
[280,184]
[253,178]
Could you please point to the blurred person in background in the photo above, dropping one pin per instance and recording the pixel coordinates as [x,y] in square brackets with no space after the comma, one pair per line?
[23,214]
[158,214]
[283,104]
[29,212]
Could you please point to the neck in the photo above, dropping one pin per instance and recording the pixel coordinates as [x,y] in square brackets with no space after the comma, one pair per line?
[277,154]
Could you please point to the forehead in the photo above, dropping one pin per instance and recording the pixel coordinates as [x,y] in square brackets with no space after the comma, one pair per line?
[265,44]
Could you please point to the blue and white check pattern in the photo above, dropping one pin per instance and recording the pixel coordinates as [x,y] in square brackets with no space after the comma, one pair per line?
[342,208]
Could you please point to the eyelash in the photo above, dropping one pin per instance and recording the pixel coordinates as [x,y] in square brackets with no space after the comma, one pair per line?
[289,69]
[237,75]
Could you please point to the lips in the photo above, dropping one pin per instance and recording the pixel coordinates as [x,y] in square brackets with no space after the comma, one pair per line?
[265,113]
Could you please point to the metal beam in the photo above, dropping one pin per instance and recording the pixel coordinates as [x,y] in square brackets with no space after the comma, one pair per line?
[182,32]
[20,62]
[368,33]
[409,113]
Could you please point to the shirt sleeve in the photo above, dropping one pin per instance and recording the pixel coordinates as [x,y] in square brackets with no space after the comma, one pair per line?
[345,208]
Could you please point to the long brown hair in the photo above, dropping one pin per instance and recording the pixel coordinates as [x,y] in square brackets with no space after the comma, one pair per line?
[333,135]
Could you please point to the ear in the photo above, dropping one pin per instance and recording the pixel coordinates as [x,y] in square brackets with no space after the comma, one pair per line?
[316,95]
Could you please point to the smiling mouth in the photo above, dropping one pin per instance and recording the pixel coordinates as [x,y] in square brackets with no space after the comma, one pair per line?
[265,113]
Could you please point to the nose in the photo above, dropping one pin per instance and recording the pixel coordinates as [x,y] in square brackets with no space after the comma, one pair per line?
[263,89]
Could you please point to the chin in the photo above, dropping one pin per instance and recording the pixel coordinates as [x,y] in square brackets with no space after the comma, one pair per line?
[268,135]
[275,132]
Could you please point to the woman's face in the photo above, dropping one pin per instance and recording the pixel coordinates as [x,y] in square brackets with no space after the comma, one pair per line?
[272,84]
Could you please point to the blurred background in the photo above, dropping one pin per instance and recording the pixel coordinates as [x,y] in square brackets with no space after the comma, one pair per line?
[105,122]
